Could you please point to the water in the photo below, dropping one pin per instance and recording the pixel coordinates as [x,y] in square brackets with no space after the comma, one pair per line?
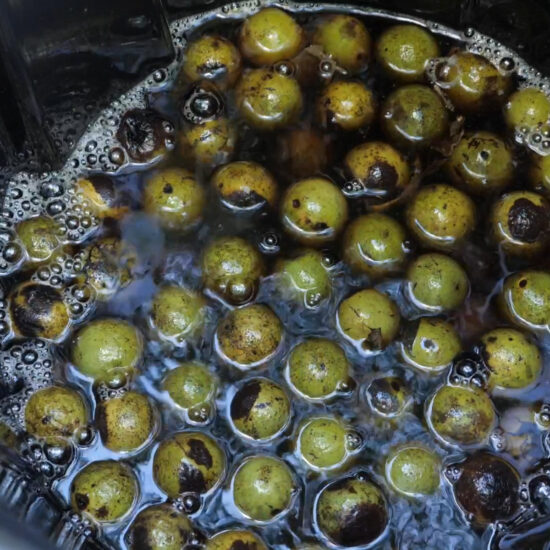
[429,523]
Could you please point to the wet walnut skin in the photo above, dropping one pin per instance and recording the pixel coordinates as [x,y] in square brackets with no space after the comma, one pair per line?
[260,409]
[188,462]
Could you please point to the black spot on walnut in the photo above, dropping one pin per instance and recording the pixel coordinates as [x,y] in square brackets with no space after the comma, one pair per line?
[527,221]
[242,545]
[199,453]
[30,305]
[361,525]
[244,400]
[140,537]
[102,512]
[191,479]
[82,501]
[244,199]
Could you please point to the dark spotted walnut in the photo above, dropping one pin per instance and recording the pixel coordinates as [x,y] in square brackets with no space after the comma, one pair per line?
[162,527]
[38,310]
[352,511]
[143,133]
[106,490]
[188,462]
[260,409]
[487,488]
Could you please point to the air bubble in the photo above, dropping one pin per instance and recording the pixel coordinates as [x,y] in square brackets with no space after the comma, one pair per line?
[159,75]
[55,208]
[12,252]
[29,357]
[507,64]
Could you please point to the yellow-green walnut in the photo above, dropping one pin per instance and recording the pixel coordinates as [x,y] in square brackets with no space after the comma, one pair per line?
[105,490]
[188,462]
[369,319]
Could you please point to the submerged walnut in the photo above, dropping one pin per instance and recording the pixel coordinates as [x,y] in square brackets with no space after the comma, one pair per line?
[487,487]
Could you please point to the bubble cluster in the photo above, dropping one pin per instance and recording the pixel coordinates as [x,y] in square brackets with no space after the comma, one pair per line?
[26,367]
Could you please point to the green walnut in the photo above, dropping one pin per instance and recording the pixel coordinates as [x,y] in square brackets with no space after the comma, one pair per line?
[382,170]
[473,83]
[436,283]
[430,344]
[539,174]
[404,50]
[177,313]
[513,360]
[318,369]
[346,40]
[260,409]
[440,216]
[55,411]
[352,511]
[207,144]
[375,244]
[212,57]
[125,423]
[109,266]
[269,36]
[324,442]
[190,385]
[188,462]
[345,105]
[520,221]
[263,488]
[38,311]
[414,116]
[481,164]
[39,236]
[314,211]
[460,415]
[232,269]
[305,278]
[525,299]
[160,527]
[175,198]
[527,108]
[105,348]
[249,336]
[245,186]
[413,470]
[235,538]
[105,490]
[268,100]
[388,396]
[369,319]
